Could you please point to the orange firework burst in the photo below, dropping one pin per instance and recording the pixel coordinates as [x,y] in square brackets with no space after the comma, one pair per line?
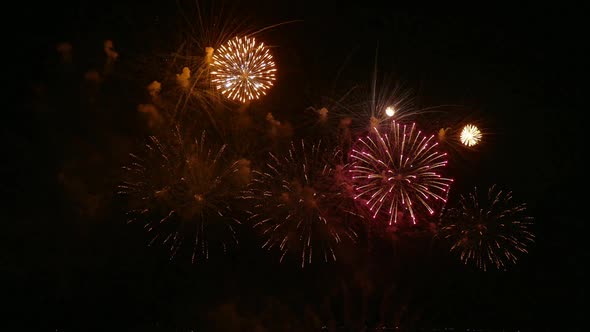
[242,69]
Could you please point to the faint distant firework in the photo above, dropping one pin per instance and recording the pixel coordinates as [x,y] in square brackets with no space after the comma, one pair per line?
[180,189]
[396,173]
[357,110]
[295,203]
[363,109]
[470,135]
[243,69]
[492,231]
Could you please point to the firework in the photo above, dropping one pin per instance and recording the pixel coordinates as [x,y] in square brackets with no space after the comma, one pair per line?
[489,231]
[243,69]
[361,110]
[186,92]
[470,135]
[179,189]
[215,23]
[295,201]
[395,173]
[377,106]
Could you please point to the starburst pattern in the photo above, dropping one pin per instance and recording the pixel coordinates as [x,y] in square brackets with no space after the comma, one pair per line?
[470,135]
[180,190]
[395,173]
[295,202]
[243,69]
[488,231]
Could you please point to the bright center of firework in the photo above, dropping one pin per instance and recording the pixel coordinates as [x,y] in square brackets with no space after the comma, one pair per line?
[243,69]
[470,135]
[309,197]
[390,111]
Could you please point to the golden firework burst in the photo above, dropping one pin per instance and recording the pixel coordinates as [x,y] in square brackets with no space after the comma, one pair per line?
[243,69]
[470,135]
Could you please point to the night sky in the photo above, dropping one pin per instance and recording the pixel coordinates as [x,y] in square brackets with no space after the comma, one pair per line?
[71,263]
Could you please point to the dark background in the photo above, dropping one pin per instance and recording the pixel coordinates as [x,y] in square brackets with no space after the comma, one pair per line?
[71,263]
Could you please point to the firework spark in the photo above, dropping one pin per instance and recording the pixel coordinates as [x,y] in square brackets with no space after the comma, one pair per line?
[377,106]
[395,173]
[295,202]
[491,231]
[470,135]
[180,189]
[243,69]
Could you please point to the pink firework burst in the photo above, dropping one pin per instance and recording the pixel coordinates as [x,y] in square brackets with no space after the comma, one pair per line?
[395,173]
